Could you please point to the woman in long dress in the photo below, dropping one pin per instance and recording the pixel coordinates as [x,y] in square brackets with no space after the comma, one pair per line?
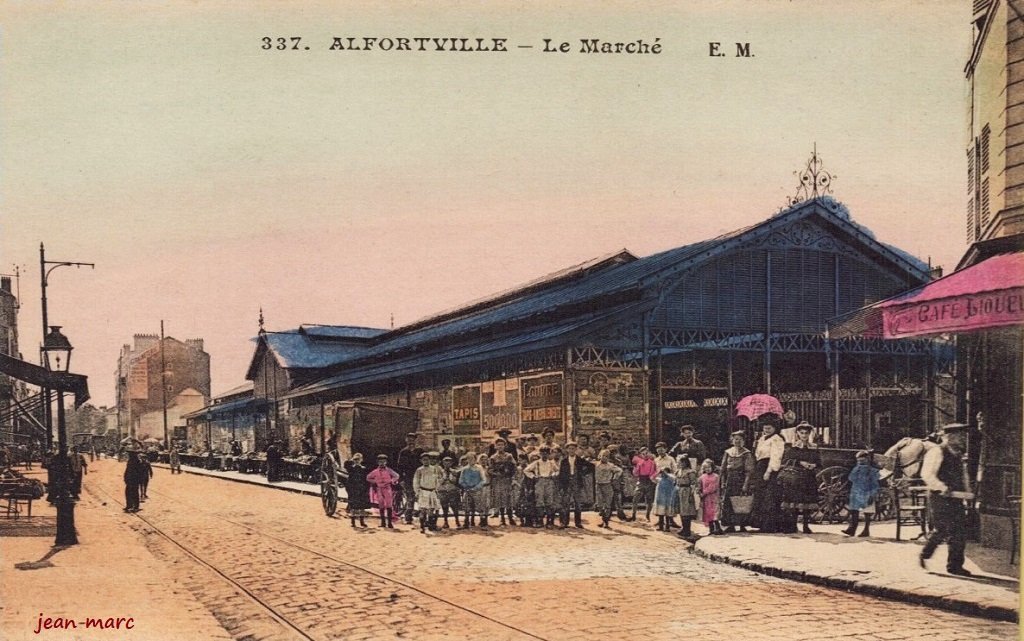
[800,465]
[357,489]
[767,511]
[666,502]
[686,485]
[737,470]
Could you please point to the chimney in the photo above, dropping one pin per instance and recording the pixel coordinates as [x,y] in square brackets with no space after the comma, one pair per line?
[5,284]
[195,343]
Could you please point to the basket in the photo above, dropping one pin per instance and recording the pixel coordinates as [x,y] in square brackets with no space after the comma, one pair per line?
[741,504]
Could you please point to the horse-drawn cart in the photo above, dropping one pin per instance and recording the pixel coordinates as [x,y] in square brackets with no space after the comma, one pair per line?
[367,428]
[900,466]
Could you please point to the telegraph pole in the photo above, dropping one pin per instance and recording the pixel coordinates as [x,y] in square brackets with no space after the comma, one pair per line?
[163,384]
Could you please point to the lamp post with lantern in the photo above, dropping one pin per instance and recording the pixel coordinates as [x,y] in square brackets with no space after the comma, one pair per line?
[57,358]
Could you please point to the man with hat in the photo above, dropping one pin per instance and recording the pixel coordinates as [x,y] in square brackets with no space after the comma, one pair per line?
[406,464]
[571,473]
[545,472]
[510,447]
[446,449]
[944,472]
[448,492]
[133,475]
[425,481]
[689,447]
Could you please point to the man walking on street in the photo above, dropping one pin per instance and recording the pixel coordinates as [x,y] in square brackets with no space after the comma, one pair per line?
[945,473]
[133,475]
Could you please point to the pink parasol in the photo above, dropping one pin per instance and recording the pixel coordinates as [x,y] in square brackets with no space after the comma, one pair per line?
[757,405]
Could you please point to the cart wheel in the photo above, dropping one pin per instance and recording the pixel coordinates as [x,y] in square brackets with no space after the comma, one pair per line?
[884,502]
[329,485]
[833,493]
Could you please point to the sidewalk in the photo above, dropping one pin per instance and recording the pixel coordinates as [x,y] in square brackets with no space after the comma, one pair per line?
[109,574]
[253,479]
[879,566]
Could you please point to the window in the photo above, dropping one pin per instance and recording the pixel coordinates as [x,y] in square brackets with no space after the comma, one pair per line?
[970,220]
[985,134]
[970,170]
[983,214]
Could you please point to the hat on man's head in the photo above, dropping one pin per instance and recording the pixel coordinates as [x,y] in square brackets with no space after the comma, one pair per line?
[739,433]
[953,428]
[865,454]
[804,426]
[412,435]
[685,428]
[448,458]
[660,444]
[505,431]
[382,457]
[432,454]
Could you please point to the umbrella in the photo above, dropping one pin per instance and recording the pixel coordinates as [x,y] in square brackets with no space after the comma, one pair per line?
[757,405]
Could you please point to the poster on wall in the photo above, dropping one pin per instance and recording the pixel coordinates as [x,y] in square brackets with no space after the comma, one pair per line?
[499,405]
[466,410]
[542,403]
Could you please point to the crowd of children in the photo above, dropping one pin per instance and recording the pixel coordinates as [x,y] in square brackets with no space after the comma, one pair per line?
[538,485]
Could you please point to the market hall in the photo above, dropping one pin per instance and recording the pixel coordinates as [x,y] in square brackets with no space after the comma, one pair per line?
[637,347]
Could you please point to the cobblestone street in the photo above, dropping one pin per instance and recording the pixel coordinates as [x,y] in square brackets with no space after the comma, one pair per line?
[269,565]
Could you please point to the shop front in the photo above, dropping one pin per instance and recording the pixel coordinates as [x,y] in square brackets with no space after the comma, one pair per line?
[981,307]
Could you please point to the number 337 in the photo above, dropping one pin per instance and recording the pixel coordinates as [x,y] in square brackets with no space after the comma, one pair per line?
[281,44]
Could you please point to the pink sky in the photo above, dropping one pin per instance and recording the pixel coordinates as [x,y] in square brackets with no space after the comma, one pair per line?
[207,178]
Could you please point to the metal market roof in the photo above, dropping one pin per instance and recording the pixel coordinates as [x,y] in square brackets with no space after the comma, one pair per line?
[550,335]
[528,318]
[313,346]
[239,406]
[340,332]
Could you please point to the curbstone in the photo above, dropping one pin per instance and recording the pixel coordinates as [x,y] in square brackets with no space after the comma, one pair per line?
[969,608]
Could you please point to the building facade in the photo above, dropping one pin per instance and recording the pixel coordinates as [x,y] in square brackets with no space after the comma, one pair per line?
[991,359]
[154,377]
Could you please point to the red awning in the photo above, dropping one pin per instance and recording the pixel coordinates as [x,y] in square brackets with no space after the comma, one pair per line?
[988,294]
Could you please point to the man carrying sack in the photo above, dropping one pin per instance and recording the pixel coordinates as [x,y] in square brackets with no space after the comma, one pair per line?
[944,472]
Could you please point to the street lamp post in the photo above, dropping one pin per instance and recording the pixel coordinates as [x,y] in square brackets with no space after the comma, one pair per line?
[57,358]
[44,275]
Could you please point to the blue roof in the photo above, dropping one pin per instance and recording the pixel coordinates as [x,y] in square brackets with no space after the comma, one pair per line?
[555,307]
[487,348]
[296,350]
[341,332]
[635,276]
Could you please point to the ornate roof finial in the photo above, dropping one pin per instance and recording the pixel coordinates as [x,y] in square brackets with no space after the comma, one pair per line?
[262,330]
[814,181]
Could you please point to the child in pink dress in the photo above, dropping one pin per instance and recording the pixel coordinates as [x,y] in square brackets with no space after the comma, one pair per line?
[382,480]
[709,488]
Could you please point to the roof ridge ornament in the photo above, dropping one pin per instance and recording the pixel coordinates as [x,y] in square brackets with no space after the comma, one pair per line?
[814,181]
[262,329]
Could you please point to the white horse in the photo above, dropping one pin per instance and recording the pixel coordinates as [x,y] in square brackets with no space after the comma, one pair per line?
[904,459]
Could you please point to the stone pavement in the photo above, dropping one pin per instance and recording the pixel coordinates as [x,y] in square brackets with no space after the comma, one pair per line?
[878,565]
[252,479]
[109,574]
[333,581]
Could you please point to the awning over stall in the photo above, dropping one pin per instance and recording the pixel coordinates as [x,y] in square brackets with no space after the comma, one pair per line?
[985,295]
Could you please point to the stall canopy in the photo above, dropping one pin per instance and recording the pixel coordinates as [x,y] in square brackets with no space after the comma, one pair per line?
[986,295]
